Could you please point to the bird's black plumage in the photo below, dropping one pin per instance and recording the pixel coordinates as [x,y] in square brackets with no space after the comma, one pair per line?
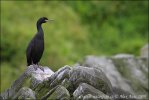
[35,48]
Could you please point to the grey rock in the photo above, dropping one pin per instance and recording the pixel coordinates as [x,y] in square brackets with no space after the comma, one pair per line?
[120,94]
[66,83]
[60,93]
[38,76]
[132,70]
[124,71]
[59,76]
[108,67]
[145,51]
[123,56]
[95,78]
[19,83]
[84,89]
[91,97]
[38,80]
[49,83]
[25,93]
[91,76]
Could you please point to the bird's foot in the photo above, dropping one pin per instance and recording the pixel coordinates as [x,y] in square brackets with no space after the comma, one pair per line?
[37,66]
[41,68]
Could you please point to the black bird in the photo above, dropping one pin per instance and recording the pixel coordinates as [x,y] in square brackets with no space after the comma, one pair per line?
[35,48]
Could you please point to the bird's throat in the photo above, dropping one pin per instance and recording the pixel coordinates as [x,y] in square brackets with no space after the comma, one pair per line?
[39,28]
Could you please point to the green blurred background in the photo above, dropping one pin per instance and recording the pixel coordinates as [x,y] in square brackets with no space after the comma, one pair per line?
[80,28]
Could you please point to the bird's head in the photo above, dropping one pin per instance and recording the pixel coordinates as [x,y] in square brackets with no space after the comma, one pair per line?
[43,20]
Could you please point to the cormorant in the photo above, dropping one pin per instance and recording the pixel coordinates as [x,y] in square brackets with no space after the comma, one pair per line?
[35,48]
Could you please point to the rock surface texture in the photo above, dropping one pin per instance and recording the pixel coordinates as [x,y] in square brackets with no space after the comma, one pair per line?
[120,77]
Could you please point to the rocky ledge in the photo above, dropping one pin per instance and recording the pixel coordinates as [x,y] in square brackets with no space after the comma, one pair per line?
[120,77]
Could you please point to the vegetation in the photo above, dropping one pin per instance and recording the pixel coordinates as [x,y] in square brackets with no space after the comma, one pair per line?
[80,28]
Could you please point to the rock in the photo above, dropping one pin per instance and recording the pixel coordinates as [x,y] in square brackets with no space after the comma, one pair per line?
[109,69]
[85,89]
[123,56]
[125,72]
[95,78]
[59,75]
[132,71]
[60,93]
[25,93]
[39,76]
[20,82]
[90,97]
[145,51]
[120,94]
[66,83]
[91,76]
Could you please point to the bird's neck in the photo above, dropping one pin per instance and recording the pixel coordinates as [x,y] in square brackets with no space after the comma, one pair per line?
[40,34]
[39,28]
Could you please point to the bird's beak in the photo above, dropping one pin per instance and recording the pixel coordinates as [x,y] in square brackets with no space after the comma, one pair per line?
[49,20]
[46,20]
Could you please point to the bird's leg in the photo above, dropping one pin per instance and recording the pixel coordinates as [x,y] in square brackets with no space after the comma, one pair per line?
[40,67]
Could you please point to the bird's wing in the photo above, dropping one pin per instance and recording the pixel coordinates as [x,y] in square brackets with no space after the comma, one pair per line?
[29,53]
